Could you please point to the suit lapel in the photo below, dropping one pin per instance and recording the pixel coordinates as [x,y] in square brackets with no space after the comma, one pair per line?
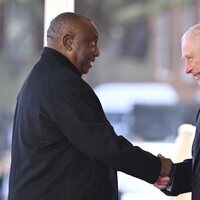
[196,142]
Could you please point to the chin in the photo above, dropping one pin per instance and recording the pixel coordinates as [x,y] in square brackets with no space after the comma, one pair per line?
[86,70]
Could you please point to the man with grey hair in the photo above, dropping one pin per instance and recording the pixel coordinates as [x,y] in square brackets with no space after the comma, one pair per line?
[187,174]
[63,147]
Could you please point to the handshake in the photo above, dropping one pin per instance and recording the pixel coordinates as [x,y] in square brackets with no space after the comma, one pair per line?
[166,173]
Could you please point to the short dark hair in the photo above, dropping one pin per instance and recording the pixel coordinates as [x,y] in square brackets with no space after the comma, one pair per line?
[63,22]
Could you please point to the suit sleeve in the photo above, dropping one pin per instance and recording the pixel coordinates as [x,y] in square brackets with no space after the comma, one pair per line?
[182,179]
[81,120]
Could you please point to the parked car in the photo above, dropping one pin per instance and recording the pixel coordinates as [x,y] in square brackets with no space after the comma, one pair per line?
[135,108]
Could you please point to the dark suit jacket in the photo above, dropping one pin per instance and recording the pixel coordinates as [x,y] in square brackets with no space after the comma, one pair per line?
[63,146]
[187,174]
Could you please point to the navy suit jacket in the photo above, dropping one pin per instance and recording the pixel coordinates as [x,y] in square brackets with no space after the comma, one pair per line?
[63,146]
[187,175]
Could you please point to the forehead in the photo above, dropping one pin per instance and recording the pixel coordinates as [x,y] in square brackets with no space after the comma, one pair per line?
[89,29]
[189,44]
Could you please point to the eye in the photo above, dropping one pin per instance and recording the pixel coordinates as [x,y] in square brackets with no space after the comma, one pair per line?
[93,44]
[188,58]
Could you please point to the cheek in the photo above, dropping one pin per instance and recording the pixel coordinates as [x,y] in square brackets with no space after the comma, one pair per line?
[196,64]
[86,53]
[81,56]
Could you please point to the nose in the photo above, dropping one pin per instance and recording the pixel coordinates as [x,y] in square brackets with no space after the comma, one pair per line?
[97,52]
[188,69]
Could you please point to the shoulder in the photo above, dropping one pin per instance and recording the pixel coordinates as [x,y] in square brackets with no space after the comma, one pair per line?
[197,116]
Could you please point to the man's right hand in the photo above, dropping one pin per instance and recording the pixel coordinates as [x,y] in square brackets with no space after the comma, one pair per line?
[162,182]
[166,173]
[166,166]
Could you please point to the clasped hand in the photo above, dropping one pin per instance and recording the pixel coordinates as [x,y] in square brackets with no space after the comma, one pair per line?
[166,173]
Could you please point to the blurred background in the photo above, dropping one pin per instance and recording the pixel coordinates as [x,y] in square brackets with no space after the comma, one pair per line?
[139,76]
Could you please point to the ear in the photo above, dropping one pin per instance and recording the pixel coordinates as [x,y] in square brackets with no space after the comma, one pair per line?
[67,42]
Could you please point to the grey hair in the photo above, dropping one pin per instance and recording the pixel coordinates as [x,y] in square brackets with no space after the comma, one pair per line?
[193,31]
